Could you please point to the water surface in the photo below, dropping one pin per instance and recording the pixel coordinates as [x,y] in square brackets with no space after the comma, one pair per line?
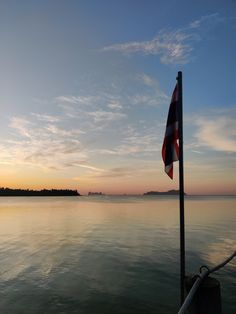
[109,254]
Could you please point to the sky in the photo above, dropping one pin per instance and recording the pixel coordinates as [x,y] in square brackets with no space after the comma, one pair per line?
[85,88]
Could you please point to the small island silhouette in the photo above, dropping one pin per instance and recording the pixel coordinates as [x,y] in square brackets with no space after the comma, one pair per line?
[44,192]
[95,194]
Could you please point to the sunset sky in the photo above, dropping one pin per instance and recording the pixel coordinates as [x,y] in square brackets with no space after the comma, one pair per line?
[85,88]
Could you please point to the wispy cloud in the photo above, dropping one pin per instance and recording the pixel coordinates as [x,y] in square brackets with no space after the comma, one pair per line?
[137,89]
[218,134]
[125,172]
[145,99]
[52,128]
[92,168]
[92,112]
[106,116]
[43,144]
[207,21]
[152,94]
[46,117]
[147,80]
[140,141]
[115,104]
[135,142]
[82,100]
[86,126]
[22,126]
[172,46]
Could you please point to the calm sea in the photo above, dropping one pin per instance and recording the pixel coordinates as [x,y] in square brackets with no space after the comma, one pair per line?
[109,254]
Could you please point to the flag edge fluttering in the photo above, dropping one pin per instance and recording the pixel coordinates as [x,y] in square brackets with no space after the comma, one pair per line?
[170,144]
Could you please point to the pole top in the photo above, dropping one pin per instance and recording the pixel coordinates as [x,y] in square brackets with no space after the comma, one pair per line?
[179,77]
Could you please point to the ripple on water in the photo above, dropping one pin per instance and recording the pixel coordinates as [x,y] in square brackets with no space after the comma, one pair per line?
[114,255]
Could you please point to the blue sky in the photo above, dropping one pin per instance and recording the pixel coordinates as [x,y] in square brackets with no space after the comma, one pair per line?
[86,85]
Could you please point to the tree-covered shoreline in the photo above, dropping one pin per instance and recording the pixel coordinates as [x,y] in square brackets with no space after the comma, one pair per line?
[43,192]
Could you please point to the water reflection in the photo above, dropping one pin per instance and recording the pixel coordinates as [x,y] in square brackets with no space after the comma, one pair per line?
[112,254]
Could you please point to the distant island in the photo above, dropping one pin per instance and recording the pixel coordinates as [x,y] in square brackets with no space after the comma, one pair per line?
[44,192]
[95,194]
[170,192]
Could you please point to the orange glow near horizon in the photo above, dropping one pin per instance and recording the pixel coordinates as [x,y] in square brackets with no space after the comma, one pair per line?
[116,186]
[196,182]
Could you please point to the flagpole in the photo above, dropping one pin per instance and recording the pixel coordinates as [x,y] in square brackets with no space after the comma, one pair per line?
[181,188]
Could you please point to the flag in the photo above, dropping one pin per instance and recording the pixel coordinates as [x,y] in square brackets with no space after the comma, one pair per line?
[170,148]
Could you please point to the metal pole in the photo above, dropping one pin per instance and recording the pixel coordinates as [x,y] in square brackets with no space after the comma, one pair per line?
[181,188]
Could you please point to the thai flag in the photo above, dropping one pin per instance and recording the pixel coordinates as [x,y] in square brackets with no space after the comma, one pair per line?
[170,148]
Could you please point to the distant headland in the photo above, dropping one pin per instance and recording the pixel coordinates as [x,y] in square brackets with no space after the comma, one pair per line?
[44,192]
[170,192]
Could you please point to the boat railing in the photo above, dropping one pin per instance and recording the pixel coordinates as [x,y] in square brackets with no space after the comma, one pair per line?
[204,273]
